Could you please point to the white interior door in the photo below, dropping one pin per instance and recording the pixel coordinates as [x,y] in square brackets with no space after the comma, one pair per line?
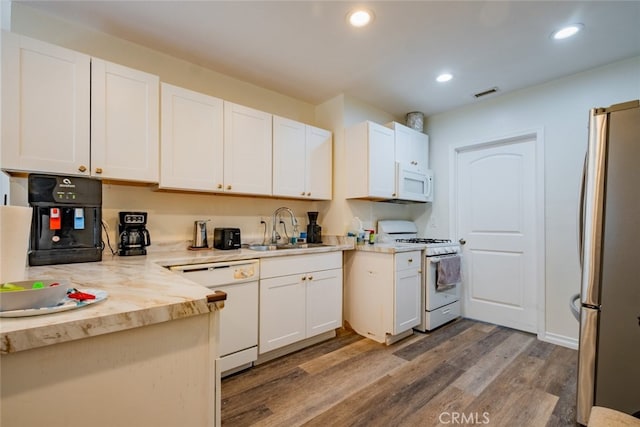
[496,216]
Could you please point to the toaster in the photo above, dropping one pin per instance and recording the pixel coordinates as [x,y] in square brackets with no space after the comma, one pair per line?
[226,238]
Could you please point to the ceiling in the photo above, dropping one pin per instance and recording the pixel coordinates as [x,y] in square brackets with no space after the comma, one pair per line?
[305,49]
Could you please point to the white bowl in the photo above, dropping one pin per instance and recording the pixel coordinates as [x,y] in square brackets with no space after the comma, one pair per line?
[47,296]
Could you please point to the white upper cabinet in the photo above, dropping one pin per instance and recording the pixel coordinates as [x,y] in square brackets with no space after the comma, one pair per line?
[124,123]
[45,107]
[65,112]
[319,161]
[191,140]
[302,160]
[247,150]
[412,148]
[289,158]
[370,157]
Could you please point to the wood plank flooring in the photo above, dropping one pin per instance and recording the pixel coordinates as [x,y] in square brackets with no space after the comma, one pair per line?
[465,373]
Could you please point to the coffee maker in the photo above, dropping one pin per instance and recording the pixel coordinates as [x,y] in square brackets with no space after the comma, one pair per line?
[314,231]
[67,215]
[133,234]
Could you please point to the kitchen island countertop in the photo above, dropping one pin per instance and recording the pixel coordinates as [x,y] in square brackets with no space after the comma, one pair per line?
[140,293]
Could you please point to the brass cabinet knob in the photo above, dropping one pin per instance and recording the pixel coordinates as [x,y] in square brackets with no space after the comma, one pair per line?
[219,186]
[82,168]
[393,194]
[228,187]
[98,170]
[304,278]
[310,277]
[410,260]
[302,194]
[308,194]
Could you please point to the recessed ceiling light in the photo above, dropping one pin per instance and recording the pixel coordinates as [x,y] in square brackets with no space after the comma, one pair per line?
[566,32]
[444,77]
[360,17]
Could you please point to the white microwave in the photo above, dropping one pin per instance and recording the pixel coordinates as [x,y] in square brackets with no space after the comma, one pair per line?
[412,185]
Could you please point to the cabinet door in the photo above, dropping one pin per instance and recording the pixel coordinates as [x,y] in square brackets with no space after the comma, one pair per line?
[412,148]
[45,107]
[407,300]
[324,301]
[282,311]
[191,140]
[319,163]
[247,150]
[124,122]
[289,158]
[382,169]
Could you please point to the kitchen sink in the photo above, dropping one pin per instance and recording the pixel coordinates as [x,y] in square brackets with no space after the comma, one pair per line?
[257,247]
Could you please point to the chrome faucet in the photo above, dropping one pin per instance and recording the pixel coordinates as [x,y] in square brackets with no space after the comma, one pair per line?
[274,233]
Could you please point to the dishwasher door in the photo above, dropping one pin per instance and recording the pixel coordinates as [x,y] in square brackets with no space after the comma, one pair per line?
[238,341]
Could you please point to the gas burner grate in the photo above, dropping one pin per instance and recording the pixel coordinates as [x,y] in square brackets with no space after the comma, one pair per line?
[423,241]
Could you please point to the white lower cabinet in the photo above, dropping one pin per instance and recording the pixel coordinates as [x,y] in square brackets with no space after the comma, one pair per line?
[300,297]
[383,293]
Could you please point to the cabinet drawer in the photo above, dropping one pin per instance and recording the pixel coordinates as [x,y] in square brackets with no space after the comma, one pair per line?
[405,260]
[295,264]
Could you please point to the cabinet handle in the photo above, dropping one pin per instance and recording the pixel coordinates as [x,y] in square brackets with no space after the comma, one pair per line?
[419,271]
[410,260]
[304,278]
[393,194]
[98,170]
[310,277]
[308,194]
[302,194]
[82,168]
[219,186]
[228,187]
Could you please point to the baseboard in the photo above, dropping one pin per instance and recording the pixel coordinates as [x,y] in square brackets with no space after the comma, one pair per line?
[557,339]
[279,352]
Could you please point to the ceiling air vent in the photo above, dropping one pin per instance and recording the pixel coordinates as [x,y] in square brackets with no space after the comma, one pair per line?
[486,92]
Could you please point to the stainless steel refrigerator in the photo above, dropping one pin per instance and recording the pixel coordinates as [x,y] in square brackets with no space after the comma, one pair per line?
[609,351]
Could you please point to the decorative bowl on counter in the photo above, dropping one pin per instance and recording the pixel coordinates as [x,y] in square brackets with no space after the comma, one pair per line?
[28,294]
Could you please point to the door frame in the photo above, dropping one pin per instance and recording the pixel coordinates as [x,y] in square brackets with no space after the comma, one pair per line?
[537,135]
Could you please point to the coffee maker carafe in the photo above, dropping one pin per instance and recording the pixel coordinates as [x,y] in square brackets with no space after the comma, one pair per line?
[133,234]
[314,231]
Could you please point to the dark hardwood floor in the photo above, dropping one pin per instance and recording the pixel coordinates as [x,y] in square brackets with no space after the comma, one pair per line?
[465,373]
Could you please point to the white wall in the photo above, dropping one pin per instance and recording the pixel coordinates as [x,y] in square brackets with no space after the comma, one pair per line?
[561,109]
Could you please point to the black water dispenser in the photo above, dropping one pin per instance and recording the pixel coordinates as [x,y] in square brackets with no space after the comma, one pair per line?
[67,216]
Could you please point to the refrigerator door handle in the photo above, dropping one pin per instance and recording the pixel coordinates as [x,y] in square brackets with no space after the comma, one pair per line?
[587,364]
[581,202]
[574,306]
[594,208]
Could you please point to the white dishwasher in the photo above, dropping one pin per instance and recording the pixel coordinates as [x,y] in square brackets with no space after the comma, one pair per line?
[239,318]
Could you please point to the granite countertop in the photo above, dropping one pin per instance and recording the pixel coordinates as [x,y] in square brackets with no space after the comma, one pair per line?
[140,293]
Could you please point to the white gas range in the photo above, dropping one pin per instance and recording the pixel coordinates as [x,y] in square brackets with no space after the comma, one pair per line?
[441,277]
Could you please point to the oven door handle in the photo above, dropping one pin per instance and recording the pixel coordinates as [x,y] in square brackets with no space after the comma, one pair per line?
[436,259]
